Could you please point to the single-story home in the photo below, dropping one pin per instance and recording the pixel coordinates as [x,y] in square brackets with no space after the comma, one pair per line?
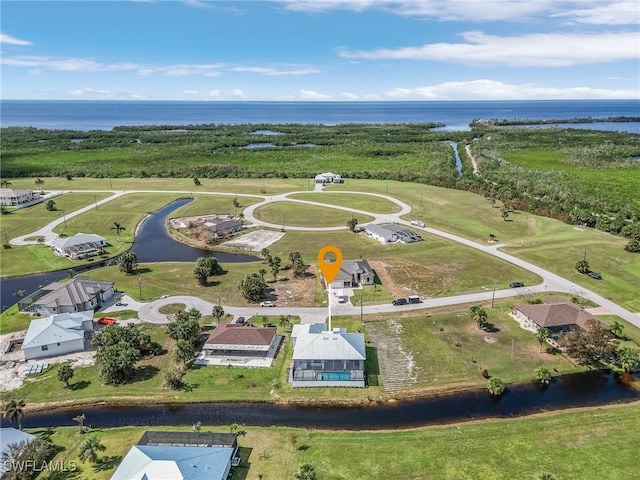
[381,234]
[353,274]
[76,295]
[328,178]
[79,245]
[223,226]
[557,315]
[10,197]
[10,436]
[235,344]
[180,456]
[58,335]
[323,358]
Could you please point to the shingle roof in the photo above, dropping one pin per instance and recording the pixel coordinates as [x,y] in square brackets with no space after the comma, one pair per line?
[148,462]
[233,334]
[77,239]
[556,314]
[57,328]
[311,344]
[74,292]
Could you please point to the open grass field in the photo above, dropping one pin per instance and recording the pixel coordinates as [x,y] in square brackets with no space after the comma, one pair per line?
[576,445]
[366,203]
[302,215]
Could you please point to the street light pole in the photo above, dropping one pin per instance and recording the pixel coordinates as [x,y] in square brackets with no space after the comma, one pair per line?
[361,308]
[140,287]
[493,297]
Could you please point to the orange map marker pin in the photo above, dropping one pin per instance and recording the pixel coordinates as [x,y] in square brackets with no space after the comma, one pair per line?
[329,269]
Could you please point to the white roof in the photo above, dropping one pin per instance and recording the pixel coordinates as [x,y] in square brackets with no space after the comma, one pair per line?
[77,239]
[58,328]
[9,436]
[313,342]
[151,462]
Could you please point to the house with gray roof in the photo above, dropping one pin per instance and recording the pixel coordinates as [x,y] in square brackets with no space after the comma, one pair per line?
[10,436]
[405,235]
[76,295]
[327,358]
[381,234]
[353,274]
[179,456]
[10,197]
[79,245]
[58,335]
[328,177]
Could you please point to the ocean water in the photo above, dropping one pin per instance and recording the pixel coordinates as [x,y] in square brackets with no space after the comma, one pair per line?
[456,115]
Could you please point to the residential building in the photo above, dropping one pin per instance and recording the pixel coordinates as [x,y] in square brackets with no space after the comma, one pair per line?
[405,235]
[557,315]
[180,456]
[323,358]
[13,198]
[58,335]
[328,178]
[353,274]
[79,245]
[220,227]
[236,344]
[76,295]
[9,436]
[381,234]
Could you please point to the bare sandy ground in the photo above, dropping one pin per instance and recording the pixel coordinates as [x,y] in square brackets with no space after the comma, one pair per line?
[255,241]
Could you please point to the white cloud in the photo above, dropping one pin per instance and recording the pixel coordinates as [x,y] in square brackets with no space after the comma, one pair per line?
[271,71]
[493,90]
[313,95]
[625,12]
[539,50]
[89,93]
[9,40]
[350,96]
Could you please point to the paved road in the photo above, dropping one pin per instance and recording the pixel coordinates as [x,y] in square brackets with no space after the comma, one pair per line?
[550,281]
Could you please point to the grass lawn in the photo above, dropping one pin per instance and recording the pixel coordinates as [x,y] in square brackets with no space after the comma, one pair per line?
[12,320]
[576,444]
[300,215]
[367,203]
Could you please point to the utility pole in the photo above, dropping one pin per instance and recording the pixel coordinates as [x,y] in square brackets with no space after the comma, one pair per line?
[361,308]
[6,237]
[95,200]
[64,217]
[140,287]
[493,297]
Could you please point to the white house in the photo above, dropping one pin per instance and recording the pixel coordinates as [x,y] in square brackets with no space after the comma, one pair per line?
[12,198]
[380,233]
[180,456]
[328,178]
[10,436]
[58,335]
[78,245]
[324,358]
[234,344]
[77,295]
[353,274]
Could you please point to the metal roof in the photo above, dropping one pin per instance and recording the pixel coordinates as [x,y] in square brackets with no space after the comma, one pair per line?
[58,328]
[311,344]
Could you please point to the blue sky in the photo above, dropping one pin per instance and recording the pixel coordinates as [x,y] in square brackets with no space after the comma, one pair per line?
[334,50]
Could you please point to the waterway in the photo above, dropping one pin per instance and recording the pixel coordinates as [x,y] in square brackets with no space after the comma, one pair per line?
[580,390]
[152,244]
[454,146]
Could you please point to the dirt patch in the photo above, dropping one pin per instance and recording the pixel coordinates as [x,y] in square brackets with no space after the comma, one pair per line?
[407,278]
[255,241]
[294,292]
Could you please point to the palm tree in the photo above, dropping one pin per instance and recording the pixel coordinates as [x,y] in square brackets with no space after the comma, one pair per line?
[118,228]
[479,315]
[543,374]
[284,321]
[541,335]
[217,312]
[306,472]
[14,411]
[5,183]
[616,329]
[495,386]
[89,449]
[39,182]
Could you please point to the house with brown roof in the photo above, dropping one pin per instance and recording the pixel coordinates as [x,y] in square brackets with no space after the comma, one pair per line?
[242,345]
[557,315]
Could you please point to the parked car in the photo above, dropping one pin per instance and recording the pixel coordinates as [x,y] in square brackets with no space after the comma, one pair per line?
[240,320]
[516,284]
[343,299]
[267,303]
[595,275]
[400,301]
[414,299]
[417,223]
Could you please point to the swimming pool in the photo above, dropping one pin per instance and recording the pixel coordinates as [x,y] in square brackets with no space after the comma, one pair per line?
[324,376]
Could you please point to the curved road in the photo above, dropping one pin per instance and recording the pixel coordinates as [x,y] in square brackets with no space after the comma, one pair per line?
[551,281]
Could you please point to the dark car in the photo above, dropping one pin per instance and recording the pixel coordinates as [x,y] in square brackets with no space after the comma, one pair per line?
[516,284]
[400,301]
[595,275]
[240,320]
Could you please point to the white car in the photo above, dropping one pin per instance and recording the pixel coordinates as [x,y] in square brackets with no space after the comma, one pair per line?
[267,303]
